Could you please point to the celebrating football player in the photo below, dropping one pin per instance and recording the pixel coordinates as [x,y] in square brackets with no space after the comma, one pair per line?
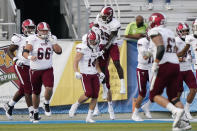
[89,73]
[39,51]
[165,68]
[186,73]
[21,67]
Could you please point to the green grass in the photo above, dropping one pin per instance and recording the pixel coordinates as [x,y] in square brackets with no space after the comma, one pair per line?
[92,127]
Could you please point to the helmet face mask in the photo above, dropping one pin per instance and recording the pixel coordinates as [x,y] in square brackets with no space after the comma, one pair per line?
[28,27]
[30,30]
[182,30]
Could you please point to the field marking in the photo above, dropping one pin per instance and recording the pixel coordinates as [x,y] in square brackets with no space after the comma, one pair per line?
[98,121]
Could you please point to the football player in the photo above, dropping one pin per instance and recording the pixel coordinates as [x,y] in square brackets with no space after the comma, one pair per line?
[145,61]
[186,73]
[39,51]
[109,27]
[89,73]
[165,68]
[21,67]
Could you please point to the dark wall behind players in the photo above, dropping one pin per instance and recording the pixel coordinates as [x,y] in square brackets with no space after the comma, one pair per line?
[44,10]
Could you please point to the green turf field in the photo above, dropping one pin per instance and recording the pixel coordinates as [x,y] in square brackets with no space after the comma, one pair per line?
[92,127]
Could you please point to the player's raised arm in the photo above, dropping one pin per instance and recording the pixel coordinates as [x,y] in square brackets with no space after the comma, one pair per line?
[185,49]
[57,49]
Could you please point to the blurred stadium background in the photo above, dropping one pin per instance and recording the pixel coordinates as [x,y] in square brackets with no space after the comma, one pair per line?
[69,20]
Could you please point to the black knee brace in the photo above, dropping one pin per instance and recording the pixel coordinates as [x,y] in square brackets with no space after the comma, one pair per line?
[175,101]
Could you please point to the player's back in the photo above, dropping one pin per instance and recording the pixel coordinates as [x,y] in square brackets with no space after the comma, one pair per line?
[169,43]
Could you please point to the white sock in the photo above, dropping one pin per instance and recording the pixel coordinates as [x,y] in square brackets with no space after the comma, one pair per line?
[96,107]
[90,112]
[35,110]
[187,105]
[105,87]
[122,83]
[77,103]
[46,101]
[30,109]
[109,103]
[148,104]
[12,103]
[136,110]
[171,107]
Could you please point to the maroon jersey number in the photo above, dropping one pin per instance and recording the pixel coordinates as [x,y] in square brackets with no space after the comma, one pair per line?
[104,36]
[90,63]
[42,53]
[170,48]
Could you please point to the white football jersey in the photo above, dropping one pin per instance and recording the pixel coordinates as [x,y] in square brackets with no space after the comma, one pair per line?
[169,43]
[87,64]
[143,45]
[190,39]
[43,50]
[107,28]
[20,40]
[185,65]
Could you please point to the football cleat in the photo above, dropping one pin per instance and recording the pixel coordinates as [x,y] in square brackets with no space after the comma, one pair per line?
[8,110]
[36,118]
[188,115]
[178,114]
[136,117]
[111,113]
[96,113]
[73,110]
[89,120]
[31,116]
[146,111]
[47,110]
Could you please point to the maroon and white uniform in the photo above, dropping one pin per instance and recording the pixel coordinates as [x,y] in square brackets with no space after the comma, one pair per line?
[144,66]
[169,65]
[190,39]
[22,71]
[113,51]
[87,66]
[41,70]
[186,73]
